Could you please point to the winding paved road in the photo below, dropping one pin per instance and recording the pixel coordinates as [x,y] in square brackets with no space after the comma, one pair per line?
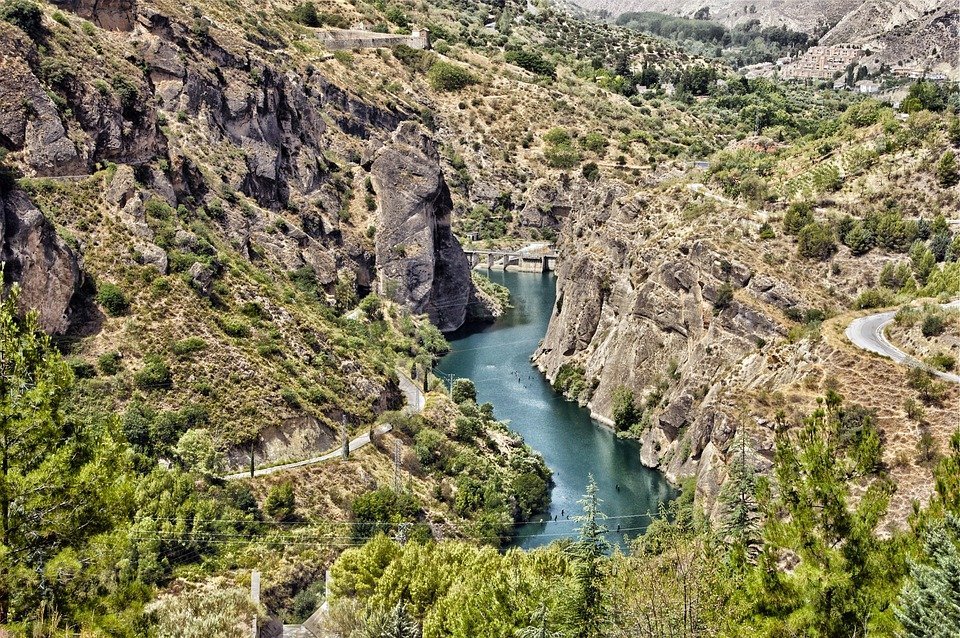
[867,333]
[415,403]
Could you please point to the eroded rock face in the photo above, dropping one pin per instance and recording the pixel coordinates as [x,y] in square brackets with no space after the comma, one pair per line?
[37,259]
[642,309]
[419,261]
[29,120]
[113,15]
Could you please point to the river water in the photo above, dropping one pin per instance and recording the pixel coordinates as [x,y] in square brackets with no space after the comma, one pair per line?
[497,358]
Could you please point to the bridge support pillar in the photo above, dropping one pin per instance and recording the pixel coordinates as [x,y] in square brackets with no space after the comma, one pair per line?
[489,261]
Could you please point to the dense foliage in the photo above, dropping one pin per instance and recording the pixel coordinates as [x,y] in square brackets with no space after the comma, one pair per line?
[687,577]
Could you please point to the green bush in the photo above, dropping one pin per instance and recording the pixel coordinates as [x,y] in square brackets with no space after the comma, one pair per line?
[626,413]
[25,15]
[948,174]
[595,143]
[188,346]
[932,325]
[561,156]
[766,231]
[468,428]
[464,390]
[112,298]
[591,172]
[873,298]
[798,215]
[154,375]
[381,510]
[858,239]
[531,492]
[444,76]
[235,327]
[109,363]
[280,503]
[557,136]
[531,61]
[816,241]
[306,14]
[942,361]
[82,369]
[892,231]
[724,297]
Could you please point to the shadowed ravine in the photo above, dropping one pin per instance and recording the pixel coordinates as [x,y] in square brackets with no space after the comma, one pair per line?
[497,359]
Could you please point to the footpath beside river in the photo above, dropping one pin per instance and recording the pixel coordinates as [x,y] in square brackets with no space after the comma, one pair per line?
[497,359]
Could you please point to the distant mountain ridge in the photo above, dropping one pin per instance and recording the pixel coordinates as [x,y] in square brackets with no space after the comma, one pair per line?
[915,33]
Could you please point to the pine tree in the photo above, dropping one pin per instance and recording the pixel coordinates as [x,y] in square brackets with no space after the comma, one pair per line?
[846,575]
[58,470]
[929,605]
[740,512]
[393,623]
[587,605]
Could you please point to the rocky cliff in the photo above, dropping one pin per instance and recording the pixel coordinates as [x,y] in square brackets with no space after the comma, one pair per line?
[37,259]
[672,296]
[419,261]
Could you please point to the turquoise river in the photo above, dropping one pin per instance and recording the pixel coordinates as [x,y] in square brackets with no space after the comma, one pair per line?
[497,358]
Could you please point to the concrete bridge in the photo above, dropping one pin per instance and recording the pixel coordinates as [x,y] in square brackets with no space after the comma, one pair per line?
[533,258]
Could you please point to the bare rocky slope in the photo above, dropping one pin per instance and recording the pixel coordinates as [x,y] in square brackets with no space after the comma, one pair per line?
[914,33]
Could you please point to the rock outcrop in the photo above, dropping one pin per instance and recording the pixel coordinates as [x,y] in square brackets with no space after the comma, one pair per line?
[39,261]
[419,261]
[668,315]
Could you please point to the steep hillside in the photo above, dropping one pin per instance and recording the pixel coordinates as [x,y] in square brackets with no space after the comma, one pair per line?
[918,34]
[704,305]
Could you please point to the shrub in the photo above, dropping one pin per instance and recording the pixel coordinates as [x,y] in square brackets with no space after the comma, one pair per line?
[154,374]
[380,510]
[799,215]
[858,239]
[766,231]
[894,276]
[591,172]
[724,297]
[816,241]
[930,391]
[467,428]
[947,171]
[280,502]
[932,325]
[561,156]
[82,369]
[942,361]
[305,279]
[306,14]
[464,390]
[444,76]
[188,346]
[595,143]
[873,298]
[109,363]
[891,231]
[235,327]
[112,298]
[531,61]
[557,136]
[431,447]
[532,493]
[625,412]
[25,15]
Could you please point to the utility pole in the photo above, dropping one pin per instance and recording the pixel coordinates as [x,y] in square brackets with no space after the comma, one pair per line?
[396,466]
[346,439]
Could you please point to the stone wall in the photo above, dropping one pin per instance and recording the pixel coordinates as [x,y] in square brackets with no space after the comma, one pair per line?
[339,39]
